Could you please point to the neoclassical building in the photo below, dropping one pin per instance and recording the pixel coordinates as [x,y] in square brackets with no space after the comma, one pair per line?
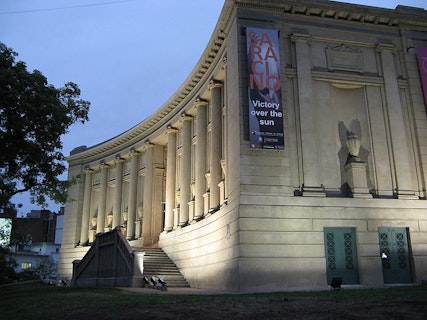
[294,153]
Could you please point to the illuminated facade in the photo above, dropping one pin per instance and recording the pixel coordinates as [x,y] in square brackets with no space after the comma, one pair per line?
[294,153]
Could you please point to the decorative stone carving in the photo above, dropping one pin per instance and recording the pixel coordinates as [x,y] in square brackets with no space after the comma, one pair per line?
[94,221]
[223,166]
[301,37]
[344,58]
[110,219]
[353,146]
[224,63]
[178,197]
[208,178]
[192,187]
[125,216]
[355,169]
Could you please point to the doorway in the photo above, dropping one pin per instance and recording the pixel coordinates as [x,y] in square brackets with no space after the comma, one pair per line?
[341,255]
[395,255]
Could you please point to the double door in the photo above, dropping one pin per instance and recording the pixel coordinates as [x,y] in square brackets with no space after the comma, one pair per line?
[341,255]
[395,255]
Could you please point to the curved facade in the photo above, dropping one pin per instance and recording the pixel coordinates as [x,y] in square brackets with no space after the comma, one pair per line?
[294,153]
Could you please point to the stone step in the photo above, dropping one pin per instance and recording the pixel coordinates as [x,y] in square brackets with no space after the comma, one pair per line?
[158,264]
[153,269]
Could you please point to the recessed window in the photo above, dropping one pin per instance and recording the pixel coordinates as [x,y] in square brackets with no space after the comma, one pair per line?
[25,265]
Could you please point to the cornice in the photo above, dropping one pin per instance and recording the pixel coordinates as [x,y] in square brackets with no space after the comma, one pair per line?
[400,16]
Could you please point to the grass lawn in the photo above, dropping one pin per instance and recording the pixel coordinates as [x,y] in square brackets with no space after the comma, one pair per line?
[38,301]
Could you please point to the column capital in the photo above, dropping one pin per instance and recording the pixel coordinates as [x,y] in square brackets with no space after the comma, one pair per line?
[301,37]
[186,117]
[200,102]
[215,84]
[385,47]
[103,164]
[133,152]
[170,129]
[148,145]
[224,63]
[118,159]
[88,170]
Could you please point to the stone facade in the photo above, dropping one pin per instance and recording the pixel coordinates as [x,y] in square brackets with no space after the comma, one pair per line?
[346,196]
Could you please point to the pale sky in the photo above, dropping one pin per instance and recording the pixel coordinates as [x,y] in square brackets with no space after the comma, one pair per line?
[127,56]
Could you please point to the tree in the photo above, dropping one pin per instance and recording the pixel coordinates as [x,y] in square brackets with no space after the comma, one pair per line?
[46,268]
[33,117]
[7,263]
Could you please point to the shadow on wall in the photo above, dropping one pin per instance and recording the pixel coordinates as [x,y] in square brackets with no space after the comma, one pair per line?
[343,153]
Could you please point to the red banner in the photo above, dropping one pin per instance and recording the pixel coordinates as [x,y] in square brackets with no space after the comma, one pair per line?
[422,64]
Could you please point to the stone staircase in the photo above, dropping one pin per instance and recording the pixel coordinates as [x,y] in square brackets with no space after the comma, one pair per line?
[158,264]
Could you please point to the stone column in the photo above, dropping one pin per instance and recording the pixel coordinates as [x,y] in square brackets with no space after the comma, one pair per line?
[84,231]
[222,185]
[200,161]
[170,178]
[148,195]
[157,212]
[216,145]
[309,141]
[100,225]
[399,139]
[117,209]
[133,187]
[138,221]
[191,203]
[185,170]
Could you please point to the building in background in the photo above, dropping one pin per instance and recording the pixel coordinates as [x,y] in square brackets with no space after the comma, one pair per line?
[35,242]
[40,224]
[294,154]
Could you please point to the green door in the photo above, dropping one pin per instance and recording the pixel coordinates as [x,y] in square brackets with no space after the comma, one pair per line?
[341,255]
[395,255]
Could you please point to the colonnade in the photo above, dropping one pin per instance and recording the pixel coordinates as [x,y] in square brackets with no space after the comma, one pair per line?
[187,200]
[157,187]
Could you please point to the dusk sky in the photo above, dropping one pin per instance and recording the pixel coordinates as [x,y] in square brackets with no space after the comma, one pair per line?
[128,57]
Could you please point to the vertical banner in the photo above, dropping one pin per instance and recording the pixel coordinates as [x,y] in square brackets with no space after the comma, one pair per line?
[264,90]
[422,64]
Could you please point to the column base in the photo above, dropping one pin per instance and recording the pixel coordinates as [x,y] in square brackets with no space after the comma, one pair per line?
[212,211]
[191,206]
[92,234]
[147,241]
[82,244]
[221,186]
[175,217]
[406,195]
[182,225]
[310,191]
[197,219]
[206,201]
[364,195]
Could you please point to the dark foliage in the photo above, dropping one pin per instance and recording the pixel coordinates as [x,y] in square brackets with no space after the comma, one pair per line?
[33,117]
